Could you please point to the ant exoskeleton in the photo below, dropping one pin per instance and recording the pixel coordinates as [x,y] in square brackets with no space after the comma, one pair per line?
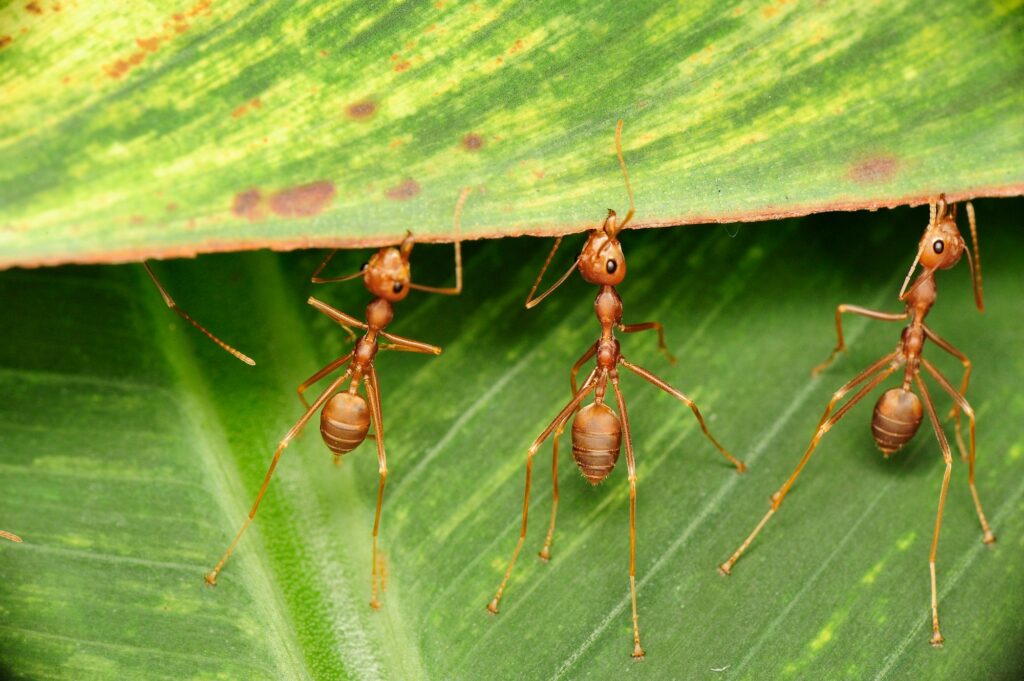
[898,412]
[346,417]
[597,432]
[184,315]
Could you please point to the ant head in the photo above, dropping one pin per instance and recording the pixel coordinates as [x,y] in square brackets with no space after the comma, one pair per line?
[602,261]
[942,246]
[387,273]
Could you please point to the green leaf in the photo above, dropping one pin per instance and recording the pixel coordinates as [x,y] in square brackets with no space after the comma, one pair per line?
[132,448]
[197,126]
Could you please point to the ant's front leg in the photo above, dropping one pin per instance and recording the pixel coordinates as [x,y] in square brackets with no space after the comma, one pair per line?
[863,312]
[409,345]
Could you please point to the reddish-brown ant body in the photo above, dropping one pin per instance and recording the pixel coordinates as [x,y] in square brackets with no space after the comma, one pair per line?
[597,432]
[898,412]
[347,416]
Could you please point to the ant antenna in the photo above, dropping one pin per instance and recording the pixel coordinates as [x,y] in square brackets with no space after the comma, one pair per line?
[910,273]
[456,228]
[625,175]
[532,302]
[184,315]
[975,262]
[326,280]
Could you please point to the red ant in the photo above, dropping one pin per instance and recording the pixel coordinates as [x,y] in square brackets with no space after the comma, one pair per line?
[347,416]
[898,412]
[597,432]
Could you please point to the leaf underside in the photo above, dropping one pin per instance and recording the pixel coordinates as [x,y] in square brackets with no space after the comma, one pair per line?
[169,129]
[132,447]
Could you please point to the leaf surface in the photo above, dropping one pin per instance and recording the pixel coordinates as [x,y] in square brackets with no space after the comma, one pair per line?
[196,126]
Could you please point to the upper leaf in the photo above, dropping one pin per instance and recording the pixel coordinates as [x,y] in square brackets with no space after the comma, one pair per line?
[227,125]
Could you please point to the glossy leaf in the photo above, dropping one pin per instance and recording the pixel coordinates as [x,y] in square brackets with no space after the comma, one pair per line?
[194,126]
[131,448]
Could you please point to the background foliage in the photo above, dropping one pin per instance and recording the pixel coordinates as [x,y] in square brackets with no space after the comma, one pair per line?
[131,448]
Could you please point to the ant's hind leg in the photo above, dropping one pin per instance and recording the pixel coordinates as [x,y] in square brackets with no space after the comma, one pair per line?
[824,426]
[954,412]
[840,343]
[638,651]
[587,387]
[211,578]
[373,392]
[948,458]
[963,405]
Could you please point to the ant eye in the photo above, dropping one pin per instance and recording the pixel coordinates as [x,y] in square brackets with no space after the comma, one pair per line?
[397,288]
[938,246]
[611,266]
[364,266]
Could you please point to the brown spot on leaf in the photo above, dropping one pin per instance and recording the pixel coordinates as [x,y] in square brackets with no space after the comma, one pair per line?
[875,169]
[402,66]
[769,11]
[5,40]
[516,47]
[303,201]
[34,8]
[176,25]
[248,204]
[405,191]
[245,108]
[361,110]
[137,220]
[473,142]
[324,53]
[172,207]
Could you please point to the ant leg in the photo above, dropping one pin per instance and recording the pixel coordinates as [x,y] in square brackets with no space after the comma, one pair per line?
[824,426]
[633,328]
[545,552]
[12,537]
[962,403]
[373,389]
[651,378]
[579,363]
[184,315]
[588,385]
[948,457]
[211,578]
[318,375]
[410,345]
[631,470]
[336,314]
[862,311]
[954,412]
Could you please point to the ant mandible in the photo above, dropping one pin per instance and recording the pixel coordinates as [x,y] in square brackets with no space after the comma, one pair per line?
[346,417]
[597,432]
[898,412]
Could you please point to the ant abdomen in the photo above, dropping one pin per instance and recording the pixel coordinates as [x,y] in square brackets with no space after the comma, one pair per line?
[596,439]
[898,415]
[344,422]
